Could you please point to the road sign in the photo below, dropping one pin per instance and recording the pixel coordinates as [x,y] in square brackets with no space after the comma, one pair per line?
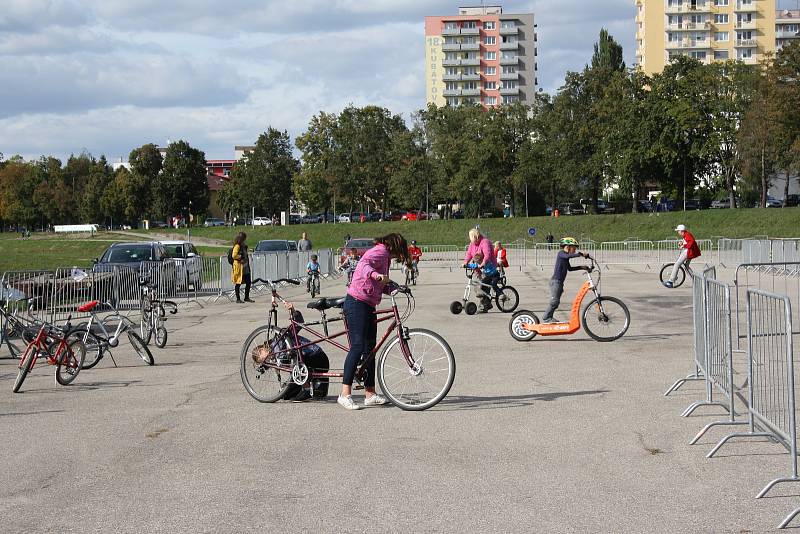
[532,231]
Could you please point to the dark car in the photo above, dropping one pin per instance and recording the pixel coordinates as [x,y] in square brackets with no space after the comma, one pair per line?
[792,200]
[158,224]
[693,204]
[375,216]
[274,245]
[361,244]
[295,219]
[141,257]
[457,215]
[394,215]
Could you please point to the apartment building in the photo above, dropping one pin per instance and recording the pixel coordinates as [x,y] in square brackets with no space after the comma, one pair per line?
[709,30]
[480,56]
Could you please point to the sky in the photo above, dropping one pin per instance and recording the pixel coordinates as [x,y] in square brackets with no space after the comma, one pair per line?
[107,76]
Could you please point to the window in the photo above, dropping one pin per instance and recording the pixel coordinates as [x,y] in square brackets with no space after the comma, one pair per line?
[720,2]
[470,85]
[490,71]
[509,38]
[490,86]
[471,55]
[450,25]
[450,86]
[697,54]
[510,99]
[721,36]
[490,56]
[509,69]
[489,40]
[452,101]
[509,54]
[721,18]
[744,36]
[720,54]
[450,40]
[471,70]
[451,70]
[488,25]
[470,24]
[450,55]
[508,24]
[509,84]
[744,53]
[699,37]
[490,101]
[469,39]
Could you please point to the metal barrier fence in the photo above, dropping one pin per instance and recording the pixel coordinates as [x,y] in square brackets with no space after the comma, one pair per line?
[771,407]
[779,277]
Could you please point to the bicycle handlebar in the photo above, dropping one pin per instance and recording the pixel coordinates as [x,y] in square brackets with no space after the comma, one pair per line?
[278,281]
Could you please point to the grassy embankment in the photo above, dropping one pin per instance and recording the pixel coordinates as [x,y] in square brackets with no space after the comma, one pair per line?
[48,251]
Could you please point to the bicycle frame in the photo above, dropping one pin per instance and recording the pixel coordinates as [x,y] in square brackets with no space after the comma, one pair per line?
[41,347]
[471,280]
[122,326]
[574,323]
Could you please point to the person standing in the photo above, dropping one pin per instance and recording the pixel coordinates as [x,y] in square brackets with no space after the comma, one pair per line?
[370,282]
[241,268]
[549,238]
[304,245]
[689,251]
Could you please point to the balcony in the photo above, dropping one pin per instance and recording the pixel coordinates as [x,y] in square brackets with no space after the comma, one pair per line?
[512,30]
[470,92]
[451,31]
[470,46]
[471,77]
[781,34]
[746,8]
[471,62]
[745,43]
[509,75]
[509,60]
[509,91]
[451,92]
[451,77]
[689,26]
[451,47]
[688,43]
[470,31]
[748,60]
[745,25]
[509,46]
[451,62]
[686,8]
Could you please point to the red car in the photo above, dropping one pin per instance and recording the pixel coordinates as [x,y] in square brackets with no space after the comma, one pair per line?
[415,216]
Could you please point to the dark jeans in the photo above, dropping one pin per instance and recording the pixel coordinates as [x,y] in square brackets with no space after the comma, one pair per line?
[556,290]
[362,331]
[489,279]
[246,280]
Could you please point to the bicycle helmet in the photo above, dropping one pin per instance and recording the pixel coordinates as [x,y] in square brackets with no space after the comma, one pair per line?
[413,242]
[568,241]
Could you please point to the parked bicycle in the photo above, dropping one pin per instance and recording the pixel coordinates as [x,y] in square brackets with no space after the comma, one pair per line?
[506,297]
[62,348]
[154,316]
[99,335]
[415,368]
[604,318]
[666,272]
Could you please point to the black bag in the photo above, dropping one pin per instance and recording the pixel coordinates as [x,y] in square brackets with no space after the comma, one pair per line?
[230,256]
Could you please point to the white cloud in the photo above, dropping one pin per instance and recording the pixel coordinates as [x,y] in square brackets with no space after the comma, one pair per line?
[33,15]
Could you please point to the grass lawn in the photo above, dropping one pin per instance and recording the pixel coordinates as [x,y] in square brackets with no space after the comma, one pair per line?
[49,251]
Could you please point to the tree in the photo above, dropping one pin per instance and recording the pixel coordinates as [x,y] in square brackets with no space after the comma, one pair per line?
[99,179]
[315,185]
[263,178]
[182,186]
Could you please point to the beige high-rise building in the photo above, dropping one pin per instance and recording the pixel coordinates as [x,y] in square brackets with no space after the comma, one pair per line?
[710,30]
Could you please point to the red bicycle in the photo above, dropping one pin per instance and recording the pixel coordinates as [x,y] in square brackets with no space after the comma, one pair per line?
[415,369]
[61,349]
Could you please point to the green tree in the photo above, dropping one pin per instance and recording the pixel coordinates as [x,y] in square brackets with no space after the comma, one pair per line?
[99,179]
[317,182]
[182,185]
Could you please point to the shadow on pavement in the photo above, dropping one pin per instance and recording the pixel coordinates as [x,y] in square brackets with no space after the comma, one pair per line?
[468,402]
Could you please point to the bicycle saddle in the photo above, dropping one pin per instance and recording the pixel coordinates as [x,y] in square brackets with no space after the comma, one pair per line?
[324,304]
[89,306]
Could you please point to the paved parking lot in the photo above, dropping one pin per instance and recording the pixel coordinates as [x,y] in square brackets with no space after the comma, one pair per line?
[556,435]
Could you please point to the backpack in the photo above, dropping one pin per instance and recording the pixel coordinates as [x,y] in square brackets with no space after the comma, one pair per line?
[230,256]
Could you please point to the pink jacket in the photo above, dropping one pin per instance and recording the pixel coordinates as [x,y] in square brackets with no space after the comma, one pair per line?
[364,286]
[483,246]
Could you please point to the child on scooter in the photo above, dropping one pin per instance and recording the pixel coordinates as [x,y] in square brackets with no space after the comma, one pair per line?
[569,250]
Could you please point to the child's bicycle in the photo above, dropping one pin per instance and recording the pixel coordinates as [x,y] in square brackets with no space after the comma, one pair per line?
[60,346]
[98,339]
[604,318]
[411,272]
[415,367]
[683,270]
[313,283]
[154,314]
[506,298]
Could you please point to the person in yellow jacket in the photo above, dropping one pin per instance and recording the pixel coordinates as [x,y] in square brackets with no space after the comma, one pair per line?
[241,268]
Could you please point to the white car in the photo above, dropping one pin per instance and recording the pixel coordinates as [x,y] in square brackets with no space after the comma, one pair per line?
[188,263]
[344,217]
[262,221]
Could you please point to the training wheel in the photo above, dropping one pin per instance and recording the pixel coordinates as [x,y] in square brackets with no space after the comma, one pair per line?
[471,308]
[455,307]
[515,325]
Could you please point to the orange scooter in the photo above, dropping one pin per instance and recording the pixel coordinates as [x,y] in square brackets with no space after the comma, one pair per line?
[604,318]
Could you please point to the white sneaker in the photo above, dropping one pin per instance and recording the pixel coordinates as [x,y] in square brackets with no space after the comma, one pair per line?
[375,400]
[348,403]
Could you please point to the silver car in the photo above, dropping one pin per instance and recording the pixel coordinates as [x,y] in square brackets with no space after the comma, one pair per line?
[188,262]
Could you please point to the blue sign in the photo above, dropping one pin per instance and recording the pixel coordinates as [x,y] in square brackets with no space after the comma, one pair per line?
[532,231]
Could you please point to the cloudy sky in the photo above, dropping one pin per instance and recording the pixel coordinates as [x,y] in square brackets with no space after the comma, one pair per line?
[107,76]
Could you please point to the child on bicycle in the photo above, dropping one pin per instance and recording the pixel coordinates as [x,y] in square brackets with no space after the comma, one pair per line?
[689,251]
[501,257]
[312,269]
[569,250]
[415,253]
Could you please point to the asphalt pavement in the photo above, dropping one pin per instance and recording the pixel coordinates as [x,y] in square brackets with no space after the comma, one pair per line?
[556,435]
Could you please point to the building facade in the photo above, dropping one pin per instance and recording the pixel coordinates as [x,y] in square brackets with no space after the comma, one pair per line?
[709,30]
[480,56]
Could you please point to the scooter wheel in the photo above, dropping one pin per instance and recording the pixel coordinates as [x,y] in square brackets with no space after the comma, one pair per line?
[471,308]
[455,307]
[515,325]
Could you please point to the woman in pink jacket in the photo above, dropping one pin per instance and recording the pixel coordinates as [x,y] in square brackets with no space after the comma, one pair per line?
[367,287]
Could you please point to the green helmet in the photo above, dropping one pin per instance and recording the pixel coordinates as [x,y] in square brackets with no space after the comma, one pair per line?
[568,241]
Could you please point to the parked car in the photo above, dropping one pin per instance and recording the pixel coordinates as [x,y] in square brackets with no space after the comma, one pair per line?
[457,215]
[344,218]
[213,222]
[375,216]
[188,263]
[720,204]
[605,207]
[569,208]
[434,216]
[792,200]
[356,217]
[274,245]
[311,219]
[262,221]
[773,202]
[295,218]
[158,224]
[692,204]
[323,218]
[361,244]
[415,215]
[135,255]
[394,215]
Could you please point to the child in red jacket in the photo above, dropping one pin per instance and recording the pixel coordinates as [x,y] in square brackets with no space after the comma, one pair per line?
[689,251]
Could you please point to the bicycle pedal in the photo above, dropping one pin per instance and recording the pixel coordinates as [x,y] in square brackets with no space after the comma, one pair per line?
[358,387]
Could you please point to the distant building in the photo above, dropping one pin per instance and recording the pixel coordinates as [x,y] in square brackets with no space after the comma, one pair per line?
[480,56]
[710,30]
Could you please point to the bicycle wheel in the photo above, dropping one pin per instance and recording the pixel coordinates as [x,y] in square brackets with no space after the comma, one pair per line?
[264,383]
[666,271]
[140,348]
[161,337]
[427,380]
[606,319]
[93,347]
[69,358]
[408,275]
[515,325]
[507,299]
[145,329]
[12,336]
[25,365]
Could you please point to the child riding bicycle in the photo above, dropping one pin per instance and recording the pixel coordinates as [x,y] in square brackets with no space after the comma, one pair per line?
[689,251]
[481,254]
[415,253]
[569,250]
[312,269]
